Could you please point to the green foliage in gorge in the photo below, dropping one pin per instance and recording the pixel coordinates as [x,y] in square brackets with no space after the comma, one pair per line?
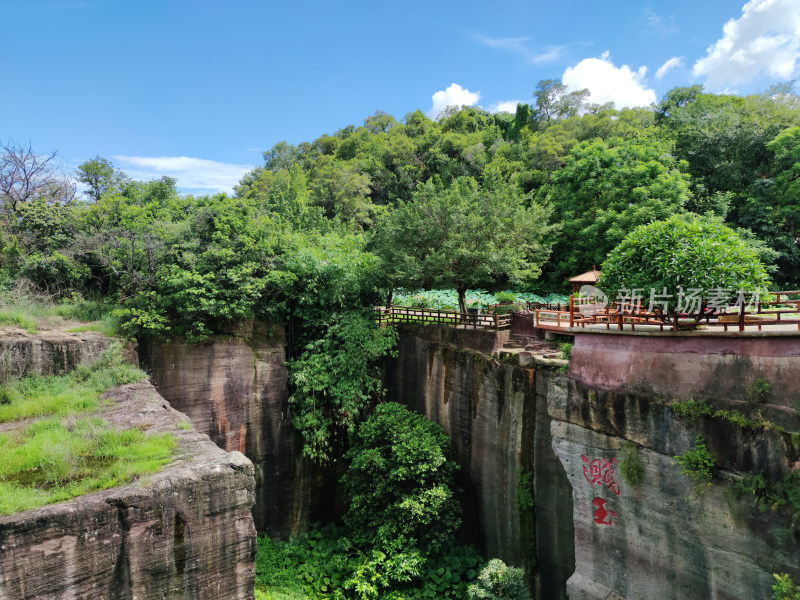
[784,588]
[335,381]
[397,539]
[684,250]
[400,482]
[498,581]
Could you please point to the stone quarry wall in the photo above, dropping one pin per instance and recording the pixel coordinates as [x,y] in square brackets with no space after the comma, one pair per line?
[706,365]
[47,353]
[496,417]
[665,538]
[590,534]
[234,389]
[185,532]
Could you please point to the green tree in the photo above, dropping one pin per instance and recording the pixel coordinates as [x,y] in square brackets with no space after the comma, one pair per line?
[688,251]
[499,582]
[100,177]
[400,482]
[604,191]
[464,236]
[554,101]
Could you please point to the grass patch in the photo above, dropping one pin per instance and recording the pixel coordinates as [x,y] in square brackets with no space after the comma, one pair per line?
[18,318]
[108,324]
[77,392]
[66,452]
[21,309]
[55,459]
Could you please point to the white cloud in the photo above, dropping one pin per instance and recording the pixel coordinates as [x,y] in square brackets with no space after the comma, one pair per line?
[662,26]
[608,83]
[506,106]
[518,46]
[453,95]
[196,175]
[765,40]
[672,63]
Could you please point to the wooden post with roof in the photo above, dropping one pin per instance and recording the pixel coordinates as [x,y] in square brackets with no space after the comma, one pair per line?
[588,278]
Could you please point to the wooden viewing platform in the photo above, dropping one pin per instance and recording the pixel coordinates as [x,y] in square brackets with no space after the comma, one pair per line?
[781,313]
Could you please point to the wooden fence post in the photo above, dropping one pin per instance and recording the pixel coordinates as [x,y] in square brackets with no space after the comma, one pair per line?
[571,311]
[741,317]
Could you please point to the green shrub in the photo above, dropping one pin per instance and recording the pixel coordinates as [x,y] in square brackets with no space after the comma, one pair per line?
[566,350]
[784,588]
[697,464]
[692,409]
[783,495]
[499,582]
[631,466]
[504,309]
[760,391]
[505,297]
[401,482]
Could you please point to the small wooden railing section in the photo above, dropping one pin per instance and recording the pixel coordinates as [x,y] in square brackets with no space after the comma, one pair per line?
[783,310]
[411,314]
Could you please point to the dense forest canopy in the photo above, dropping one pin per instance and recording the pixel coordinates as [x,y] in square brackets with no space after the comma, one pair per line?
[328,228]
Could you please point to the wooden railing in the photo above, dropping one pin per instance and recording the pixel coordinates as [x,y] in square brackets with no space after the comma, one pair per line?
[783,310]
[435,316]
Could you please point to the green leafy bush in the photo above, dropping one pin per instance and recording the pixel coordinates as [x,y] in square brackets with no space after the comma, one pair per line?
[784,588]
[686,251]
[400,482]
[760,391]
[505,297]
[499,582]
[566,349]
[631,466]
[692,409]
[697,464]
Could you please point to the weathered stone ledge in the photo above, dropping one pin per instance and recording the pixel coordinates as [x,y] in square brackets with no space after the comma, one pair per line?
[185,532]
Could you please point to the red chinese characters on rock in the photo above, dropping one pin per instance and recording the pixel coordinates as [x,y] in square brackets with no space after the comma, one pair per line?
[601,515]
[600,471]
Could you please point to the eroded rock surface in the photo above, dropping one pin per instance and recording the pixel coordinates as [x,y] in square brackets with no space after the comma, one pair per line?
[516,501]
[665,538]
[234,389]
[185,532]
[47,352]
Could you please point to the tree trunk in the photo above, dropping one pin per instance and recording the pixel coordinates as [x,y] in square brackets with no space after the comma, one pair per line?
[462,300]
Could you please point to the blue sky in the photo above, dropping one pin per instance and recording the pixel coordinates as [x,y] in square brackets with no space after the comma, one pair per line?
[198,90]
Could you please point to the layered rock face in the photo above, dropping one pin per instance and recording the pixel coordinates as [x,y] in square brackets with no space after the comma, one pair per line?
[234,389]
[665,537]
[47,352]
[500,432]
[185,532]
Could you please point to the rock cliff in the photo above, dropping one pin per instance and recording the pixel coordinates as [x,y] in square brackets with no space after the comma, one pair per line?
[495,414]
[47,352]
[185,532]
[234,389]
[667,537]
